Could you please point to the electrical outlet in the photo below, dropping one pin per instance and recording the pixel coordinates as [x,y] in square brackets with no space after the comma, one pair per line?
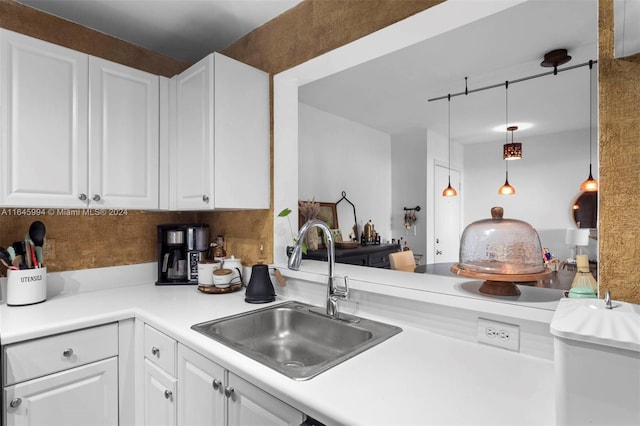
[500,334]
[49,249]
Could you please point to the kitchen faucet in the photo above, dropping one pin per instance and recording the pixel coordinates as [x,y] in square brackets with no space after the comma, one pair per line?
[334,294]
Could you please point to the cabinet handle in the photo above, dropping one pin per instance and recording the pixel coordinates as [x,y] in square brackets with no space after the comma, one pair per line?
[82,197]
[15,402]
[67,353]
[95,197]
[155,351]
[168,394]
[228,392]
[205,198]
[216,384]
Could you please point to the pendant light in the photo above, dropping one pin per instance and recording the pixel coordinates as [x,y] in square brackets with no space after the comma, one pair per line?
[513,150]
[449,191]
[590,185]
[507,189]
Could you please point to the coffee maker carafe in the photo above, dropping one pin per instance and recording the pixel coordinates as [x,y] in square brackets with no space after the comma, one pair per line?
[173,260]
[180,248]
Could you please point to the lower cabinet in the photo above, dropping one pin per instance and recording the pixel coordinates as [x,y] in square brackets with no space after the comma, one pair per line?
[159,397]
[86,395]
[201,400]
[210,395]
[66,379]
[249,405]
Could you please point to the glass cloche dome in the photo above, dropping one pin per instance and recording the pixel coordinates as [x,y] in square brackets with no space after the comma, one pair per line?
[501,246]
[502,252]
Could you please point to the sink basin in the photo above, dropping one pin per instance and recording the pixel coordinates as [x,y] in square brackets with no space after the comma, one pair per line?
[296,339]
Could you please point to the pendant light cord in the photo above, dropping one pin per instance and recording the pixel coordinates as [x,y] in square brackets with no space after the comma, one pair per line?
[506,109]
[449,135]
[590,112]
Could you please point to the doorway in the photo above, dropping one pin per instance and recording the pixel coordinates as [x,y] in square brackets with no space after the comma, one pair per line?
[446,214]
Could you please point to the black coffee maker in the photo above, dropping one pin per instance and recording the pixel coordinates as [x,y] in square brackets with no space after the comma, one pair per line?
[260,289]
[180,248]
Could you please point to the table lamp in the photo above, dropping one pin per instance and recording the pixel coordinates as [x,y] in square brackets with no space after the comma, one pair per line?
[577,237]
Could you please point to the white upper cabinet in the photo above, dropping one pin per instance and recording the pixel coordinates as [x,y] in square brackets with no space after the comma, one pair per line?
[43,140]
[124,136]
[78,131]
[220,155]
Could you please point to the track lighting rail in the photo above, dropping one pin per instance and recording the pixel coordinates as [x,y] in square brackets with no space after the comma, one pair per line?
[518,80]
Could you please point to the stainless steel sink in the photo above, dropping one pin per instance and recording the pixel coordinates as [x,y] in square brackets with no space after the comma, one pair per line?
[296,339]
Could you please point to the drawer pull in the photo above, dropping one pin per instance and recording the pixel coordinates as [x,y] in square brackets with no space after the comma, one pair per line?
[67,353]
[155,351]
[228,392]
[15,402]
[205,198]
[168,394]
[216,384]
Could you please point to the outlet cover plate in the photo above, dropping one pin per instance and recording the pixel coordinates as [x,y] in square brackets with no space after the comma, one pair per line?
[500,334]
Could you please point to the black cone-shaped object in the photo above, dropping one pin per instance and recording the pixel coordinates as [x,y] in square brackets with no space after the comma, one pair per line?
[260,289]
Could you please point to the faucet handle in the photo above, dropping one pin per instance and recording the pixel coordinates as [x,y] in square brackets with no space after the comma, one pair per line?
[607,300]
[343,292]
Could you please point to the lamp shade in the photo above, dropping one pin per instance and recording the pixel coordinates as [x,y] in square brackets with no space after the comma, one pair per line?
[512,151]
[577,237]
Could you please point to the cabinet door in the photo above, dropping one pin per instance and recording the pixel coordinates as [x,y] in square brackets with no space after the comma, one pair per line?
[249,405]
[159,396]
[242,152]
[43,135]
[201,400]
[220,145]
[86,395]
[192,149]
[124,136]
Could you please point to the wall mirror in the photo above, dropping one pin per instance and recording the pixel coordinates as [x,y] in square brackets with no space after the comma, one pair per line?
[584,210]
[365,123]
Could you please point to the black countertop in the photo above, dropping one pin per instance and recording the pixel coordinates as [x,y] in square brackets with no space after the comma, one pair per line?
[560,279]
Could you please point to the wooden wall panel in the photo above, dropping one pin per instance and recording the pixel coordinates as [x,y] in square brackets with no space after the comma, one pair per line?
[84,241]
[619,239]
[315,27]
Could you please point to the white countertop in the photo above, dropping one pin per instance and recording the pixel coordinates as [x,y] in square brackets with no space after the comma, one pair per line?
[415,377]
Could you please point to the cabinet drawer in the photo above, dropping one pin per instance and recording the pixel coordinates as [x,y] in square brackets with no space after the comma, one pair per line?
[379,260]
[160,349]
[39,357]
[353,260]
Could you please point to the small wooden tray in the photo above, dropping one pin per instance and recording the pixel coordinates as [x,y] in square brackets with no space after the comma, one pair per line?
[346,244]
[211,289]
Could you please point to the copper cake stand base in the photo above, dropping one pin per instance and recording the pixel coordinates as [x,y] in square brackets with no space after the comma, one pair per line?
[498,284]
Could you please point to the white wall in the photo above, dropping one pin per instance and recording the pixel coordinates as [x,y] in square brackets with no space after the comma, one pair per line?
[408,188]
[547,180]
[381,177]
[335,155]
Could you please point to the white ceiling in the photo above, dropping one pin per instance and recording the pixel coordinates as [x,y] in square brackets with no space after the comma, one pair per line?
[391,93]
[187,30]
